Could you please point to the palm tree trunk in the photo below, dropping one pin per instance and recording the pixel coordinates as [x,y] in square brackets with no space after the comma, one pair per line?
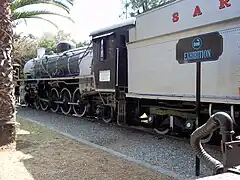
[7,102]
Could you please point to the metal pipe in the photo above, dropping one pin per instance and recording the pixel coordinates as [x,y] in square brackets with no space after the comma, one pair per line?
[219,119]
[117,63]
[226,125]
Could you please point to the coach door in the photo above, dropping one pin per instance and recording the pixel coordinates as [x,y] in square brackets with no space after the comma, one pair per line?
[104,62]
[121,61]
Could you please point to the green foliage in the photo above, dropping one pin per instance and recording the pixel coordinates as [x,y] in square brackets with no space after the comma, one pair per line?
[17,4]
[136,7]
[61,36]
[24,48]
[81,44]
[48,44]
[49,40]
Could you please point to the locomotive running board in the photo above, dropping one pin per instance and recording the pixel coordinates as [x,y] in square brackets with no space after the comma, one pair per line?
[227,100]
[57,78]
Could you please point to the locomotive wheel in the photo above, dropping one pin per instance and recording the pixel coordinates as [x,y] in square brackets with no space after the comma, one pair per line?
[80,109]
[37,103]
[161,126]
[107,113]
[162,130]
[54,97]
[66,98]
[43,104]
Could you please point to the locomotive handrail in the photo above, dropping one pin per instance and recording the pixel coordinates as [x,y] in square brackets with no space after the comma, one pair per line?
[44,67]
[117,67]
[80,58]
[68,65]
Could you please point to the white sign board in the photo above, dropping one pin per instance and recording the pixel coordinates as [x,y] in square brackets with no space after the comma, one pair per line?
[104,76]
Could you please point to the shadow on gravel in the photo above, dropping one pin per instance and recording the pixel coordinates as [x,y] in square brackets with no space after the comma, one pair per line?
[52,156]
[23,144]
[167,154]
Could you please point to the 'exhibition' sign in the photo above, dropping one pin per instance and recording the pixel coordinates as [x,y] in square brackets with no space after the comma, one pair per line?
[201,48]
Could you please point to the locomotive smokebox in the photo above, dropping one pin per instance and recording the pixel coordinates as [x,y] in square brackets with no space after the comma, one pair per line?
[64,46]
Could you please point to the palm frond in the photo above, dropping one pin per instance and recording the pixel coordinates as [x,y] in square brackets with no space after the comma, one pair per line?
[40,18]
[29,14]
[70,1]
[58,3]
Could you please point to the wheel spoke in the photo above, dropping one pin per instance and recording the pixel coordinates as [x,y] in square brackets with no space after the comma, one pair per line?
[107,114]
[80,109]
[43,104]
[66,98]
[54,97]
[37,103]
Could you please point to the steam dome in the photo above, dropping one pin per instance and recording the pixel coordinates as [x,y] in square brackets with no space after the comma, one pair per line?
[64,46]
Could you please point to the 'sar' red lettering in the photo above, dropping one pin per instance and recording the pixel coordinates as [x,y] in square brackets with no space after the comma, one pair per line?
[175,17]
[197,11]
[224,3]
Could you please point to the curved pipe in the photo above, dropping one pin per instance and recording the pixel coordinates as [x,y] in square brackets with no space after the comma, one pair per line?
[226,125]
[219,119]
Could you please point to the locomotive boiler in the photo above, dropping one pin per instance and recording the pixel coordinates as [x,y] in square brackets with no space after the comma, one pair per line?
[130,71]
[55,75]
[67,62]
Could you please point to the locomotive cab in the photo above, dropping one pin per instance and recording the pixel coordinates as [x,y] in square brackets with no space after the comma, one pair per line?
[110,56]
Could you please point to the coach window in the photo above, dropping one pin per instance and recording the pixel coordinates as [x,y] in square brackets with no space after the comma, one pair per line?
[103,49]
[122,40]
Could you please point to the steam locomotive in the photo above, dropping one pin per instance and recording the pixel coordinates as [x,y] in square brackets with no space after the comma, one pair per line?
[135,72]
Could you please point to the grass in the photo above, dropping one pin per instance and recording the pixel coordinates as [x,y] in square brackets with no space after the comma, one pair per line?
[37,134]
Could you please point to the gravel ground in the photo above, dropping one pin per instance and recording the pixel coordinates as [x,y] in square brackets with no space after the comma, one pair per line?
[43,154]
[164,155]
